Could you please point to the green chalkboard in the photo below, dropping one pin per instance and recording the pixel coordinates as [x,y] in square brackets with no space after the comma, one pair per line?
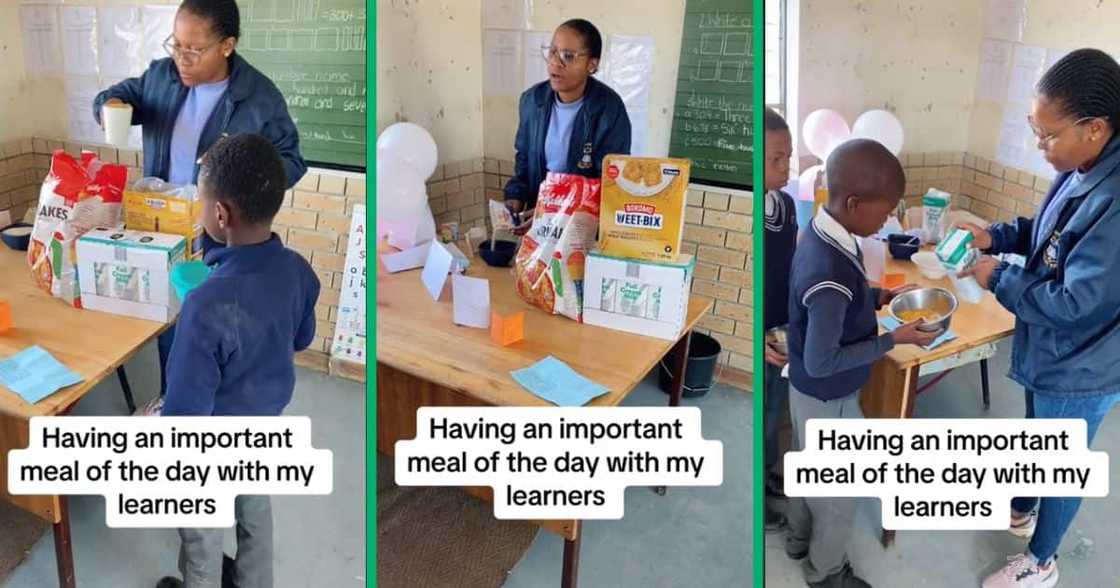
[712,115]
[315,53]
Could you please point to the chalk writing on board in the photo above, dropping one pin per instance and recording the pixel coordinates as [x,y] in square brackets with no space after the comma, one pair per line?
[327,136]
[725,20]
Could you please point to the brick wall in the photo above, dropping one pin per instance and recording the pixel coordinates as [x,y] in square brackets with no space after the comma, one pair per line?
[19,180]
[456,194]
[717,231]
[979,185]
[314,221]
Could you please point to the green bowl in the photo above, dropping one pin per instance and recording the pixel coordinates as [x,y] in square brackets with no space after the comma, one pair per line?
[187,276]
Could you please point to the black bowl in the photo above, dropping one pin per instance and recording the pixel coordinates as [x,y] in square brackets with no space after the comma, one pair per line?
[903,246]
[19,243]
[501,255]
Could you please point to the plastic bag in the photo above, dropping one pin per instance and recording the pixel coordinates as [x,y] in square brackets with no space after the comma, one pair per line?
[77,195]
[151,204]
[550,262]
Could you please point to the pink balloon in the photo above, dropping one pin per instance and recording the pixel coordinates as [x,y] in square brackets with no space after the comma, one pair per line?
[806,182]
[824,129]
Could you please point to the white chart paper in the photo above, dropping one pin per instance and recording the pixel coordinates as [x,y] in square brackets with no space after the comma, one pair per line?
[158,23]
[506,14]
[119,41]
[995,62]
[41,44]
[79,49]
[535,67]
[501,51]
[349,341]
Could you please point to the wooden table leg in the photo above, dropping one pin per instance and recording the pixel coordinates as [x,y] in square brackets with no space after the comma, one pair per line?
[889,393]
[63,550]
[678,361]
[569,577]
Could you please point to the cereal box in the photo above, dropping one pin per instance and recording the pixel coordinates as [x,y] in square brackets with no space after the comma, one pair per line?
[162,209]
[643,207]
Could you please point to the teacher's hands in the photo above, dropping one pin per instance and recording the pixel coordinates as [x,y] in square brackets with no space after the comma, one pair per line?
[981,238]
[982,270]
[108,102]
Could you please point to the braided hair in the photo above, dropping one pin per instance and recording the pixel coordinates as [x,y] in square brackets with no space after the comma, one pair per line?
[224,17]
[590,34]
[1084,84]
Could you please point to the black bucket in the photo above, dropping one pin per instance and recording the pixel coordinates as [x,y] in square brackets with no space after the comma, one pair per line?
[700,371]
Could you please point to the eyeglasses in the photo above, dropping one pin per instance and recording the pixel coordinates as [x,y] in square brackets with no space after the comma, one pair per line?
[189,56]
[1051,137]
[567,56]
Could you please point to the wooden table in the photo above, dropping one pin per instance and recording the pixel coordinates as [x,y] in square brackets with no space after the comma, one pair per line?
[893,386]
[93,344]
[424,359]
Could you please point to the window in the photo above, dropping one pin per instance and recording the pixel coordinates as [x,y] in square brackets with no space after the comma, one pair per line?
[775,57]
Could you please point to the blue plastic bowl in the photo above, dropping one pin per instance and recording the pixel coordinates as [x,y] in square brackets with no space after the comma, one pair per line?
[903,246]
[17,242]
[187,276]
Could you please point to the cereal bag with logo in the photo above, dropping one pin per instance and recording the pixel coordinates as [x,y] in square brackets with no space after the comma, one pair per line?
[549,264]
[77,195]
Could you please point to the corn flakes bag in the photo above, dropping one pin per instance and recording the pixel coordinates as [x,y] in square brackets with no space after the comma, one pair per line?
[77,195]
[550,262]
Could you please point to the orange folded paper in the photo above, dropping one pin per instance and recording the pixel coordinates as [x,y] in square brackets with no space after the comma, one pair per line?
[5,316]
[892,281]
[506,330]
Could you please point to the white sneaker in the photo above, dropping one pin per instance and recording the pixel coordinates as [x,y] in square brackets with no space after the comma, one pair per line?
[1023,527]
[1022,571]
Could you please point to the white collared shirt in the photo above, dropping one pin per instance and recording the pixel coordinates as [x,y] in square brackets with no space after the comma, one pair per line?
[836,232]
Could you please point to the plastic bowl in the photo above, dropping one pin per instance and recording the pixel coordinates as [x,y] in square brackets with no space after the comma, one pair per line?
[187,276]
[938,299]
[500,256]
[903,246]
[11,237]
[928,264]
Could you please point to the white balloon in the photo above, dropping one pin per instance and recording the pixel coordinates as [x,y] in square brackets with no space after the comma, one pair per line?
[823,131]
[881,126]
[401,192]
[412,144]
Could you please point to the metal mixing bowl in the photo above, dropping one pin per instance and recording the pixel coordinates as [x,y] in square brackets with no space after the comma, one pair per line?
[939,299]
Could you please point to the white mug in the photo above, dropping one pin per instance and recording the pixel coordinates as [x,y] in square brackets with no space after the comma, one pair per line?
[117,121]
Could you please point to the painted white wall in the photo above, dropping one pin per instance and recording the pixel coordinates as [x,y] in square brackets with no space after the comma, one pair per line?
[915,58]
[429,72]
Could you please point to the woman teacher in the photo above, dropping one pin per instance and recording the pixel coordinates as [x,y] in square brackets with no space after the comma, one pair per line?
[1066,297]
[203,90]
[569,122]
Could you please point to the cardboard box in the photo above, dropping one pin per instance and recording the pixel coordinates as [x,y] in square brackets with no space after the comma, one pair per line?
[643,207]
[642,297]
[163,213]
[129,272]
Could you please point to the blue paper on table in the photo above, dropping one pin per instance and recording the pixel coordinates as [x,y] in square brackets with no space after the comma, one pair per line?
[35,374]
[557,383]
[889,323]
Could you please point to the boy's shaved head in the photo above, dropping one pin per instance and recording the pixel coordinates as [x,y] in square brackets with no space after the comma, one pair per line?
[865,168]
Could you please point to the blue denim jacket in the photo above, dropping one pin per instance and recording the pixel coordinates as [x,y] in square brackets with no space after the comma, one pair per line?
[601,128]
[1066,298]
[252,104]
